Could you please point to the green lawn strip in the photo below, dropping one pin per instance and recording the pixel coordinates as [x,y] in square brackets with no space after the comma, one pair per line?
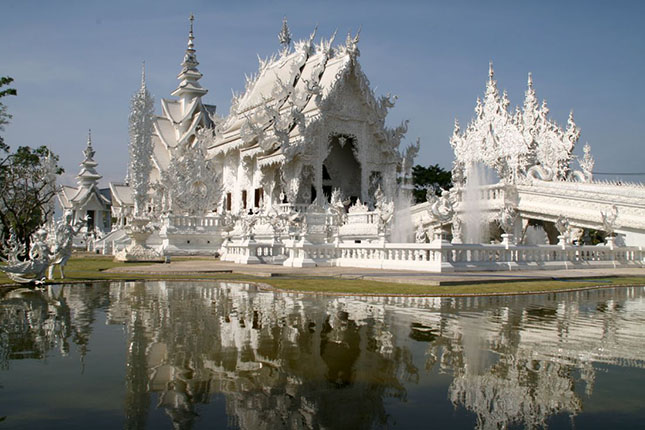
[91,268]
[375,287]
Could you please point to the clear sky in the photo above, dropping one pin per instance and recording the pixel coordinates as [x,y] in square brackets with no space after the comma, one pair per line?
[77,63]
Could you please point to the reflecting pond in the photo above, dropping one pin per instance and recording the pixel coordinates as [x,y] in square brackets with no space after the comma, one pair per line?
[224,355]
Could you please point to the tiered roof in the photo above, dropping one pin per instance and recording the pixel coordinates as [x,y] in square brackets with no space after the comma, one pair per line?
[88,177]
[181,118]
[289,91]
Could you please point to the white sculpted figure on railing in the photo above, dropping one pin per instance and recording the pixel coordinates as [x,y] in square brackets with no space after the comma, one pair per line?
[441,209]
[563,225]
[609,220]
[586,165]
[420,235]
[385,210]
[506,221]
[515,145]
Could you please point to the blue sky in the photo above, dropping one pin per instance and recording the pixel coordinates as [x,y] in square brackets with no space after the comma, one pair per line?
[77,63]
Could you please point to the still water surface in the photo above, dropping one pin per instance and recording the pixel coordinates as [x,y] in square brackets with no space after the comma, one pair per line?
[223,355]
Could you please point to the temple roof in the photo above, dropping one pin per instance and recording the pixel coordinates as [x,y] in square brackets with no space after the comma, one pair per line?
[300,79]
[121,194]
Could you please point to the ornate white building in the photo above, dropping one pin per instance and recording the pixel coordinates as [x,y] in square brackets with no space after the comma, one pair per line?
[306,124]
[303,171]
[87,200]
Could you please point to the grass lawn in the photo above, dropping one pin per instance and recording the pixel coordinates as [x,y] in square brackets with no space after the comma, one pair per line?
[92,268]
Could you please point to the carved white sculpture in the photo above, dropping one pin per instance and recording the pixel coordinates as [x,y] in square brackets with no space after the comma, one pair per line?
[141,127]
[441,208]
[61,239]
[385,210]
[34,268]
[506,220]
[512,143]
[609,220]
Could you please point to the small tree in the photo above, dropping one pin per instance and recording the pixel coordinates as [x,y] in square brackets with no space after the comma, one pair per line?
[431,177]
[26,182]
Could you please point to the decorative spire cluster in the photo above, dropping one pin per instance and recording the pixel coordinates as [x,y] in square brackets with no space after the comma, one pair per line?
[141,126]
[513,142]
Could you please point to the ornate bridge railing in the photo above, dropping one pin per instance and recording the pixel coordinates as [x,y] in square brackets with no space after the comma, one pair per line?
[445,257]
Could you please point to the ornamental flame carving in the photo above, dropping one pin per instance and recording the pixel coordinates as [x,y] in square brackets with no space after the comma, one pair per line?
[513,142]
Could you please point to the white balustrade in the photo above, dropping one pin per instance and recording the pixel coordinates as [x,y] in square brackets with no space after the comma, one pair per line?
[192,222]
[442,256]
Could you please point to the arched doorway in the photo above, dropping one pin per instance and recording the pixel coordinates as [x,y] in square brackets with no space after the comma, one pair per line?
[341,168]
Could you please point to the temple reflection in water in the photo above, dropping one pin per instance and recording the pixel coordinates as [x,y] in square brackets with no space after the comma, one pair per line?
[296,361]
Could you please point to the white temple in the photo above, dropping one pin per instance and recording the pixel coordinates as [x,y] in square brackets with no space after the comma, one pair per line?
[303,171]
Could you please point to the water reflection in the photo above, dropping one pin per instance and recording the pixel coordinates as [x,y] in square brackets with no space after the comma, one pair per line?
[297,361]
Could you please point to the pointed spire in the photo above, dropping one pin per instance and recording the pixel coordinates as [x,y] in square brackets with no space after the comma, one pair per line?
[530,81]
[89,151]
[143,74]
[284,36]
[190,59]
[88,175]
[189,75]
[491,73]
[351,43]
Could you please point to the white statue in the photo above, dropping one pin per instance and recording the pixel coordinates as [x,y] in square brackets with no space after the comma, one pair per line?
[420,235]
[441,208]
[563,225]
[609,220]
[61,240]
[33,269]
[384,209]
[507,218]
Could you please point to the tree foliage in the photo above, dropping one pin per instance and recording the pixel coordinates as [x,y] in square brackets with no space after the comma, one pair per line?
[27,182]
[431,177]
[4,116]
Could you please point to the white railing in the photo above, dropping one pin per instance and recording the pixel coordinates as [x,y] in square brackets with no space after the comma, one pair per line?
[362,218]
[439,256]
[285,208]
[189,222]
[488,192]
[250,252]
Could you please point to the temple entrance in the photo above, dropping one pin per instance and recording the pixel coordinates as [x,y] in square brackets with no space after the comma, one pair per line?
[341,169]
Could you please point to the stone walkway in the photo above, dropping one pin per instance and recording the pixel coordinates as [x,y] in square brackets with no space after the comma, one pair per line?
[196,266]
